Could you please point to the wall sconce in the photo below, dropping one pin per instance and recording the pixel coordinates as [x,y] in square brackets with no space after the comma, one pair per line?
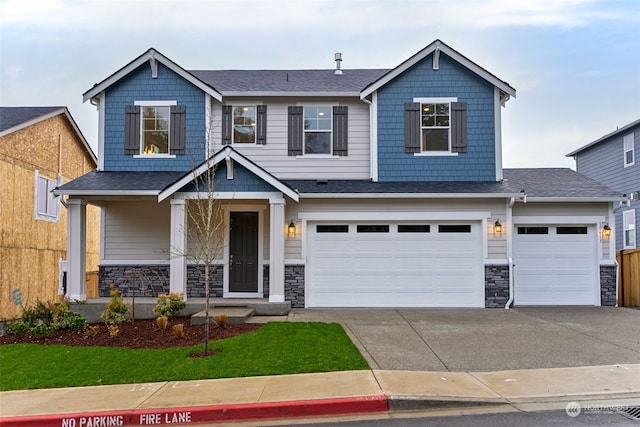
[291,229]
[497,227]
[606,231]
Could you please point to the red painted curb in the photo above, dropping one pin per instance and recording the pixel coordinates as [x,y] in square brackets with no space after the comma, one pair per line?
[200,414]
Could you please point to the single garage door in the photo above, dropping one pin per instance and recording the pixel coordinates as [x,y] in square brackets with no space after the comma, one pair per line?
[359,264]
[555,265]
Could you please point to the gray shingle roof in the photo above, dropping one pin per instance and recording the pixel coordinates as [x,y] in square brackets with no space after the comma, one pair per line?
[300,81]
[536,182]
[545,183]
[100,181]
[14,116]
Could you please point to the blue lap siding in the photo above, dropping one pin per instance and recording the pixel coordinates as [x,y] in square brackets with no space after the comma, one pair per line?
[451,80]
[140,86]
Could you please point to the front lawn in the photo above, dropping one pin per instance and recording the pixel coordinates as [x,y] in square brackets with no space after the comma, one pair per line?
[275,349]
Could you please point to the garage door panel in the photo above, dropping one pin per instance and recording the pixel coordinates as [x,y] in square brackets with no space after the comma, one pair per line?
[556,269]
[395,269]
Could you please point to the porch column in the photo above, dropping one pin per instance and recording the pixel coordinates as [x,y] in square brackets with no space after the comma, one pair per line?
[76,249]
[178,248]
[276,250]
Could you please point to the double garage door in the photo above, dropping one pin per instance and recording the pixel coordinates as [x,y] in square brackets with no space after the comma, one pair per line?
[555,265]
[394,264]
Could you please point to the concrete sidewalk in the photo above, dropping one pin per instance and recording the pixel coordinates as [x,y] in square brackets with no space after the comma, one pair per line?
[318,394]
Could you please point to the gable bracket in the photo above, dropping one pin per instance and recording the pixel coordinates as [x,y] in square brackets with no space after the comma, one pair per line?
[229,162]
[436,57]
[153,62]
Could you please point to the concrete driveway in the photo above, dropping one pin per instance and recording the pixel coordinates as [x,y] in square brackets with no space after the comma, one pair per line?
[488,339]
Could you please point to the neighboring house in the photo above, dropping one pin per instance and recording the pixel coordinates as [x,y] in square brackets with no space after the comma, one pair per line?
[40,148]
[612,160]
[344,188]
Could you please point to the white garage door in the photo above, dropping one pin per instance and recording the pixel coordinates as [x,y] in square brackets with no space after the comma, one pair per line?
[382,264]
[555,265]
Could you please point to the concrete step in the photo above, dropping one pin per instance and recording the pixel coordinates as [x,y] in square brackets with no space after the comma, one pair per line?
[235,315]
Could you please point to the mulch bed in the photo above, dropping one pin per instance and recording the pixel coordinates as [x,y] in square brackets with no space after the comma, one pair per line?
[142,333]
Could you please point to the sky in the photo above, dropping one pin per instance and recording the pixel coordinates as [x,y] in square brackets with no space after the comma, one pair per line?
[575,64]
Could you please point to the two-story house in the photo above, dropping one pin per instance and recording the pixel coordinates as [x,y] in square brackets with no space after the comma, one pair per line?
[611,160]
[339,188]
[40,148]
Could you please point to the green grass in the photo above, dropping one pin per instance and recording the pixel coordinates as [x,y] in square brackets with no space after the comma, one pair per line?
[275,349]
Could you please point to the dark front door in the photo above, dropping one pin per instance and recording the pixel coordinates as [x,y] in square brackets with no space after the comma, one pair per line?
[243,252]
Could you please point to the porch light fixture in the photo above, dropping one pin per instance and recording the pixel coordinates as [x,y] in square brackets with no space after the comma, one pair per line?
[291,229]
[497,227]
[606,231]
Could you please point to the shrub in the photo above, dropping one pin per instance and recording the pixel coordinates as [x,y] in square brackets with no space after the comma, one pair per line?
[41,312]
[169,305]
[64,318]
[116,309]
[18,328]
[221,320]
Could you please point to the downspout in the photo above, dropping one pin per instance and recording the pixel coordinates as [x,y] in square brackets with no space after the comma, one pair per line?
[510,229]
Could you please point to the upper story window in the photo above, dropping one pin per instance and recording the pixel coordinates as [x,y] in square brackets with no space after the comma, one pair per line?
[629,151]
[46,204]
[318,130]
[435,126]
[155,128]
[244,124]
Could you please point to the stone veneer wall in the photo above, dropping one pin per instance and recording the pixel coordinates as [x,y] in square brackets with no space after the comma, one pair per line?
[153,280]
[608,291]
[294,285]
[145,280]
[496,286]
[195,281]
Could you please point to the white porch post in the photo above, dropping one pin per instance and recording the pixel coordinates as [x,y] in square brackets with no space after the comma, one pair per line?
[77,249]
[178,248]
[276,251]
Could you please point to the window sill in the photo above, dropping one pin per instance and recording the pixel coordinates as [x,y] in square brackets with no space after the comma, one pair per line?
[247,144]
[435,154]
[318,156]
[154,156]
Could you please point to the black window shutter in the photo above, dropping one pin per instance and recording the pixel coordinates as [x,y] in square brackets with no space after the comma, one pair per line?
[340,130]
[178,126]
[132,129]
[459,127]
[295,131]
[412,127]
[227,124]
[261,125]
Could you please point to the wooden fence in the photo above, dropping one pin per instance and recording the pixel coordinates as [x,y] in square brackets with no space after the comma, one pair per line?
[629,278]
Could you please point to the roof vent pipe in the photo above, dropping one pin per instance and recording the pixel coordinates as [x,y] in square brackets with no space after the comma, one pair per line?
[338,59]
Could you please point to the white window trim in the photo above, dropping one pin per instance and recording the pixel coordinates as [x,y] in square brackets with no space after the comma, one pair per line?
[442,100]
[154,104]
[628,223]
[255,134]
[628,140]
[320,155]
[43,216]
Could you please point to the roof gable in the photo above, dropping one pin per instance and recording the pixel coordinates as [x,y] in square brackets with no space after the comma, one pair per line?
[435,48]
[220,156]
[623,129]
[13,119]
[153,57]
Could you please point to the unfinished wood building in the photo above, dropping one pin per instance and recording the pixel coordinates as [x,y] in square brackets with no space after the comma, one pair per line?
[40,148]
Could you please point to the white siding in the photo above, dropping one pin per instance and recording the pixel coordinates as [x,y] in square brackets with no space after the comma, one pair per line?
[273,156]
[137,231]
[497,244]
